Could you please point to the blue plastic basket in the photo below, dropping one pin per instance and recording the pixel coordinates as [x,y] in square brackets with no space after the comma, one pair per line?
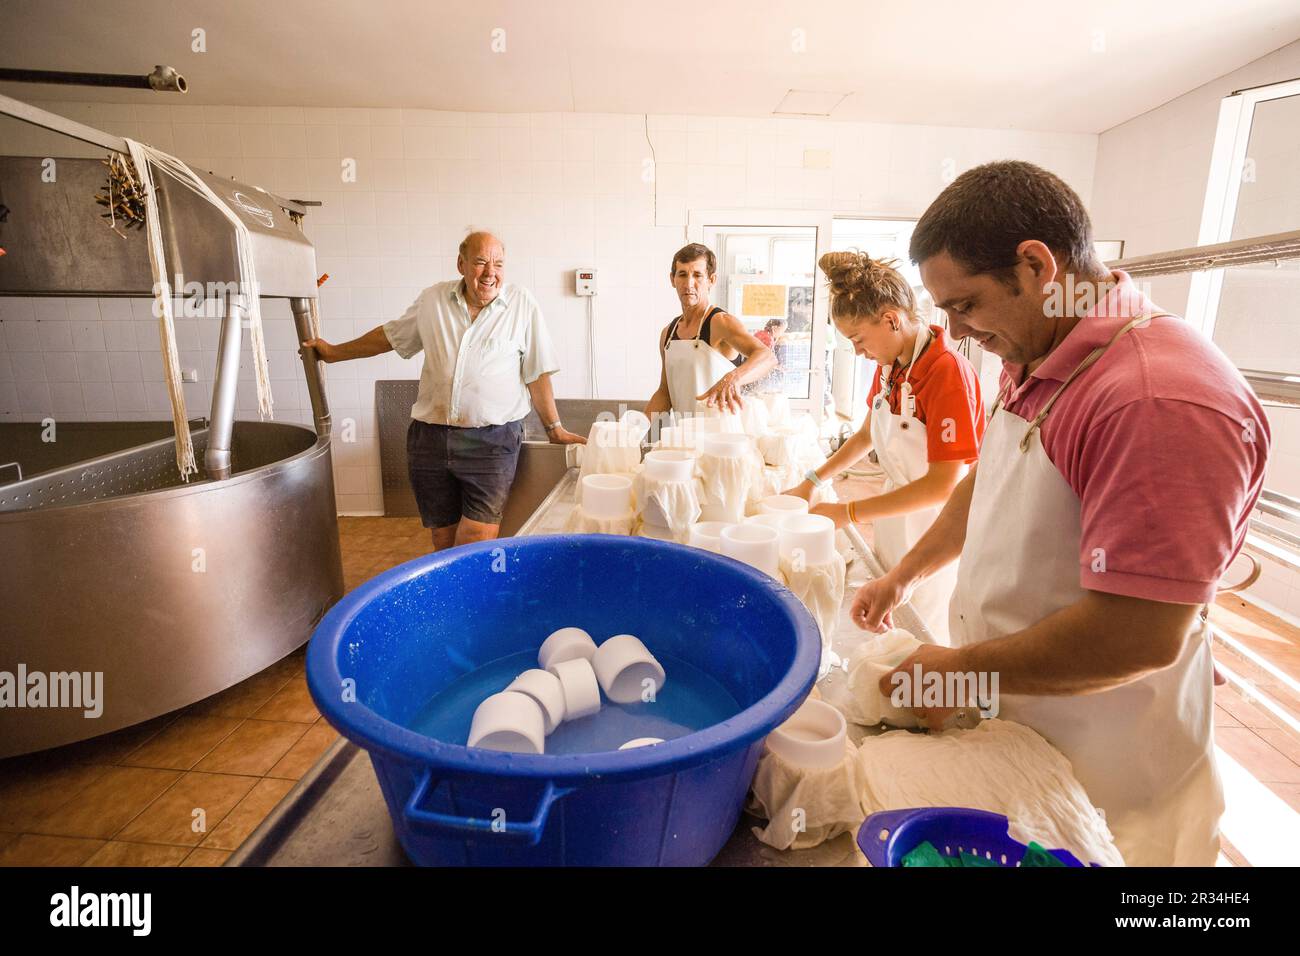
[889,836]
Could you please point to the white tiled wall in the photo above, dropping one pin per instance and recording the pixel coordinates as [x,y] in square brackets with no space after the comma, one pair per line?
[562,190]
[1149,190]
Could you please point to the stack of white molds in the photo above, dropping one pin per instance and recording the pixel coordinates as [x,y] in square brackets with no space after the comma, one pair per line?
[808,780]
[813,569]
[604,506]
[778,408]
[572,671]
[613,448]
[756,544]
[780,448]
[753,417]
[727,474]
[666,495]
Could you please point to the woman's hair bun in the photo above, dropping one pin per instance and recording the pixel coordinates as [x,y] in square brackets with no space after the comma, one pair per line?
[862,286]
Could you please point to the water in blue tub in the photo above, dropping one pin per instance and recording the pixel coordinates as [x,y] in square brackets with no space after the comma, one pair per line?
[690,700]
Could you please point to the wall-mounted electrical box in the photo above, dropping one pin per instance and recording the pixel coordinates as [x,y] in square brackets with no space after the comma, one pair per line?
[584,281]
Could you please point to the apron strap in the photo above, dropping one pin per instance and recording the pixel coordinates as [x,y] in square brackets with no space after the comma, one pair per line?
[672,330]
[704,323]
[1079,369]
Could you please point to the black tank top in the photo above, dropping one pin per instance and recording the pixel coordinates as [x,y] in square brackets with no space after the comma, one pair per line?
[705,328]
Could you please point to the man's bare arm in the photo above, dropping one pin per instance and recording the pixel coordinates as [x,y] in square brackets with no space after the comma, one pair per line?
[374,342]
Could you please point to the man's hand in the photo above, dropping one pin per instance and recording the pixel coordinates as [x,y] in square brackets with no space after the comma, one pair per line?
[802,490]
[324,351]
[724,395]
[873,605]
[562,436]
[933,659]
[837,512]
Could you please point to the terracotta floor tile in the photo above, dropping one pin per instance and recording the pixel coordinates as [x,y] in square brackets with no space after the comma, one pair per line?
[184,743]
[1260,759]
[1224,719]
[171,818]
[304,754]
[1232,853]
[109,749]
[246,817]
[1290,792]
[33,849]
[241,700]
[1249,714]
[291,665]
[1285,741]
[27,797]
[202,856]
[291,702]
[101,809]
[137,854]
[254,748]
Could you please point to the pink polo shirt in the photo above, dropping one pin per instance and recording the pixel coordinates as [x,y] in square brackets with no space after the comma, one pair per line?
[1162,440]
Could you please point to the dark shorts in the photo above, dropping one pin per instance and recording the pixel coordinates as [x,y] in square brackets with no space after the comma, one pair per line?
[459,472]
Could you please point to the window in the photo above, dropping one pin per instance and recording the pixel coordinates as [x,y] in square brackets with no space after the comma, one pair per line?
[768,278]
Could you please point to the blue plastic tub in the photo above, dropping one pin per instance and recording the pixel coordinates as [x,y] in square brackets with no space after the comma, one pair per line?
[384,650]
[889,836]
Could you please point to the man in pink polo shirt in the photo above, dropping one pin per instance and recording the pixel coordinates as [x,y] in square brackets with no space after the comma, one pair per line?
[1113,488]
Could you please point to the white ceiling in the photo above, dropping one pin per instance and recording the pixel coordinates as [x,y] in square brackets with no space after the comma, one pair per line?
[985,63]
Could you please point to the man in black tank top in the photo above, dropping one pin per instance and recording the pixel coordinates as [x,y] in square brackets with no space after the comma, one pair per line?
[693,273]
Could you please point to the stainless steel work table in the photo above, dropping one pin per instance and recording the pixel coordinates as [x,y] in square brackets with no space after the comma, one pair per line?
[336,816]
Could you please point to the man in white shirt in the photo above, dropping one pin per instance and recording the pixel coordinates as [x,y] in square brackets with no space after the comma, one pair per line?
[487,358]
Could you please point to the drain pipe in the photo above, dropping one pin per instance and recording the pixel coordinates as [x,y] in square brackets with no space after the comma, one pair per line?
[217,458]
[311,366]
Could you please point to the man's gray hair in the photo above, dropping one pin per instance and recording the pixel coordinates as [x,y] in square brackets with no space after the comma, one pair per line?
[475,236]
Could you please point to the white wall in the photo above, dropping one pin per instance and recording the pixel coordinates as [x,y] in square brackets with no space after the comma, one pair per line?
[1149,190]
[562,190]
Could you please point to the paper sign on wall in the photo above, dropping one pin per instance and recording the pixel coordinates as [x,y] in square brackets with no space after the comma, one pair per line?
[763,300]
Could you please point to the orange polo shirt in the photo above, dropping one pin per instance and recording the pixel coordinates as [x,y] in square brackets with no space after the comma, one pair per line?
[947,394]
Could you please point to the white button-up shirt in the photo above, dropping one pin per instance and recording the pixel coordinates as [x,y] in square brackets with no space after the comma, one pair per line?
[475,372]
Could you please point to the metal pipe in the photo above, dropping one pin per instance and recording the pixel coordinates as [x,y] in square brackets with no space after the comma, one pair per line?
[163,79]
[217,459]
[311,366]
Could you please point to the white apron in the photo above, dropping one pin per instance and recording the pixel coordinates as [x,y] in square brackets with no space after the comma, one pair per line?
[692,367]
[900,444]
[1143,751]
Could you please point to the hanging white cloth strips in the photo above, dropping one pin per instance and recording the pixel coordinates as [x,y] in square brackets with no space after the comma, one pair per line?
[166,321]
[143,156]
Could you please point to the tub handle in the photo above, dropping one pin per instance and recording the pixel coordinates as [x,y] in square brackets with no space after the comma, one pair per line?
[529,833]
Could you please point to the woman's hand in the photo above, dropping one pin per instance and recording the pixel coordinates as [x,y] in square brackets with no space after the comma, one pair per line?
[838,512]
[802,490]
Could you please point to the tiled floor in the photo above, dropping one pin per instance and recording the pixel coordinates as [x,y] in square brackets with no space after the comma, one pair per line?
[184,789]
[187,788]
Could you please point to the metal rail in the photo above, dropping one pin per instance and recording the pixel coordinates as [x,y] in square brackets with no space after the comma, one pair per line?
[95,137]
[1279,247]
